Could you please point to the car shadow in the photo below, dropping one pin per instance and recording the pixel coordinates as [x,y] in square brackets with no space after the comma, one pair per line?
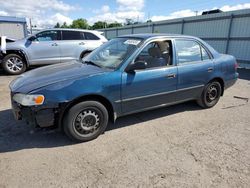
[16,135]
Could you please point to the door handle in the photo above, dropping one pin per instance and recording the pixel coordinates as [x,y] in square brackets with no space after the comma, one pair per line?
[171,76]
[210,69]
[81,43]
[54,44]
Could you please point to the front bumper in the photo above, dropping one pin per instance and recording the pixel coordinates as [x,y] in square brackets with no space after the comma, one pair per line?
[37,116]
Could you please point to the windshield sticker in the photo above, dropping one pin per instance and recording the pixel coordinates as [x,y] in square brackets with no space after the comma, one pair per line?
[132,42]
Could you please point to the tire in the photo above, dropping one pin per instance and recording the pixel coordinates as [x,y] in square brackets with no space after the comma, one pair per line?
[85,121]
[210,95]
[14,64]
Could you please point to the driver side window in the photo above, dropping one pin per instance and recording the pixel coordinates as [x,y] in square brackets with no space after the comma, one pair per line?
[47,36]
[156,54]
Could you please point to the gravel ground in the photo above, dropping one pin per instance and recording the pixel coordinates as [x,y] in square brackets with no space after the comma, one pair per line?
[178,146]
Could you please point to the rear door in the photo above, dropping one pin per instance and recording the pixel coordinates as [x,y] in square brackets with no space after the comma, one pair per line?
[71,45]
[92,41]
[195,67]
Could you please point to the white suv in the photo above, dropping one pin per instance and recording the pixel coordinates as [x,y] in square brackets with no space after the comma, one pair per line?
[48,47]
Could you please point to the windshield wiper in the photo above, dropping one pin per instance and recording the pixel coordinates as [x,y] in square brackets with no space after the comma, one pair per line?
[92,63]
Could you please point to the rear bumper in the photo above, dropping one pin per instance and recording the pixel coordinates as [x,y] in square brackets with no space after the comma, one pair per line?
[40,116]
[231,82]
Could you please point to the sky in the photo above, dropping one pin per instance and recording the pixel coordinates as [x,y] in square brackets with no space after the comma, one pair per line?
[46,13]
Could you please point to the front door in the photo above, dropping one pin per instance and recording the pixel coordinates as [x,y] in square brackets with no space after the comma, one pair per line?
[44,49]
[153,86]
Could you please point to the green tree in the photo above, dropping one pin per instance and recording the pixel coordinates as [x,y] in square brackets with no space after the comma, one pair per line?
[80,24]
[99,25]
[64,25]
[115,24]
[57,25]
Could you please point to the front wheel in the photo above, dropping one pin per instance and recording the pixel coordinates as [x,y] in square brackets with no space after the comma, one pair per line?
[86,121]
[14,64]
[84,55]
[210,95]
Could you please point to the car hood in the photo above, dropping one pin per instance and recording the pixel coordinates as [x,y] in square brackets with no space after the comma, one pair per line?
[52,74]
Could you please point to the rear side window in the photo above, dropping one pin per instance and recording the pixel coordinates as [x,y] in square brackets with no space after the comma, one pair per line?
[190,51]
[187,51]
[204,53]
[48,36]
[90,36]
[72,35]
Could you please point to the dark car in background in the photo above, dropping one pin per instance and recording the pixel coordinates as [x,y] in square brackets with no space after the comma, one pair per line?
[126,75]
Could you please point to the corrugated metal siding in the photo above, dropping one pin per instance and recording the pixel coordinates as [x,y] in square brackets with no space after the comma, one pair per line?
[240,49]
[124,31]
[240,27]
[173,28]
[214,29]
[110,33]
[145,29]
[211,28]
[12,30]
[220,46]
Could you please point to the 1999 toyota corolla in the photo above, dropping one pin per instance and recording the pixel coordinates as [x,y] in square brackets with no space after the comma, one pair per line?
[126,75]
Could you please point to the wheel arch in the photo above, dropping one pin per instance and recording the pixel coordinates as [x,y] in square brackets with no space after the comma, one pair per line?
[94,97]
[222,83]
[84,52]
[18,52]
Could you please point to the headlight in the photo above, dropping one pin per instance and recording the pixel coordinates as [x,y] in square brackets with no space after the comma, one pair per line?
[28,100]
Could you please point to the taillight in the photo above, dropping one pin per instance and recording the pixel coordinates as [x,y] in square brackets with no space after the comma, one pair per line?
[236,66]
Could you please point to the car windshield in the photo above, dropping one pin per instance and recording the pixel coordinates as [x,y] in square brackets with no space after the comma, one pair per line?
[113,53]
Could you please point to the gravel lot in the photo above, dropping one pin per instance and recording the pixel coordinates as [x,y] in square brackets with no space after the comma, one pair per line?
[178,146]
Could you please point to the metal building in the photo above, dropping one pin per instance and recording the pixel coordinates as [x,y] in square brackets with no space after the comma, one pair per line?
[227,32]
[13,27]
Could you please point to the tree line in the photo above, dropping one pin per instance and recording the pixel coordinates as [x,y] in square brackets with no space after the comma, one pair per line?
[83,24]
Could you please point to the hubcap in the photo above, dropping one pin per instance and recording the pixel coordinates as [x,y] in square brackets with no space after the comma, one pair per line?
[212,93]
[14,64]
[87,122]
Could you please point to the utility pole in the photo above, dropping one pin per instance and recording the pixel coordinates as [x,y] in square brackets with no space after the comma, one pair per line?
[30,27]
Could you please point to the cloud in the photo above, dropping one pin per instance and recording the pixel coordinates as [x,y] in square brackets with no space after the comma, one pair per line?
[117,16]
[236,7]
[44,13]
[3,13]
[103,9]
[188,12]
[127,9]
[177,14]
[52,20]
[135,5]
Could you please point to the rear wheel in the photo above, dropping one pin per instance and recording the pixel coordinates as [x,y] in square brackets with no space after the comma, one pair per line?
[14,64]
[86,121]
[210,95]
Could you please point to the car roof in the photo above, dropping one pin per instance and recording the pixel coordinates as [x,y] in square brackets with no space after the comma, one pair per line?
[146,36]
[72,29]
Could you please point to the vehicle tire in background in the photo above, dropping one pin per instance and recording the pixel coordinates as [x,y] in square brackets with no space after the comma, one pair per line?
[85,121]
[210,95]
[14,64]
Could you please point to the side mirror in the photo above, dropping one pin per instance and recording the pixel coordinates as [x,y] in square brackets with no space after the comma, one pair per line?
[138,65]
[32,38]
